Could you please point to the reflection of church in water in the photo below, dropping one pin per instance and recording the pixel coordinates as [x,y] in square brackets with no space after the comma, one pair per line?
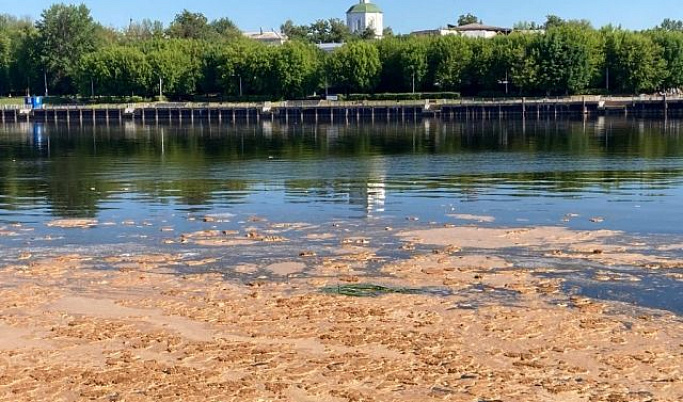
[372,196]
[370,192]
[368,189]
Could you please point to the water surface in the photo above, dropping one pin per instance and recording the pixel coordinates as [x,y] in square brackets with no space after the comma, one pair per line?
[628,172]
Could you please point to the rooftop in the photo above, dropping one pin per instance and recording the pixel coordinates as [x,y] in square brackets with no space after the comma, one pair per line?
[478,27]
[364,8]
[266,36]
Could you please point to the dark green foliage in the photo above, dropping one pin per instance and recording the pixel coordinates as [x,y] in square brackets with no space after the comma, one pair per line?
[404,62]
[5,57]
[65,34]
[333,30]
[671,44]
[635,62]
[467,19]
[115,70]
[188,25]
[197,57]
[569,58]
[449,58]
[671,25]
[355,67]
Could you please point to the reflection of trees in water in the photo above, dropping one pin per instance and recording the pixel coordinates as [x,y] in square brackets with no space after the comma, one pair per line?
[211,164]
[69,191]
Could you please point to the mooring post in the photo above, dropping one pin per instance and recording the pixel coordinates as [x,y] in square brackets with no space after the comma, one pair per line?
[557,103]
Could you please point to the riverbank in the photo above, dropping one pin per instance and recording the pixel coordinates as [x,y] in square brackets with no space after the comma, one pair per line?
[341,111]
[452,320]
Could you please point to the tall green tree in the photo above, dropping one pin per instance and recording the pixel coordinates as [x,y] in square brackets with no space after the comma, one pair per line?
[115,70]
[671,25]
[144,30]
[213,56]
[5,63]
[176,64]
[65,34]
[522,61]
[189,25]
[225,28]
[333,30]
[467,19]
[354,67]
[449,58]
[296,69]
[569,59]
[257,71]
[232,66]
[671,44]
[412,64]
[24,74]
[295,32]
[635,62]
[479,76]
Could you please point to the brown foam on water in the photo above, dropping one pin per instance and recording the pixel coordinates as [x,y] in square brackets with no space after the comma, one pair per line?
[69,331]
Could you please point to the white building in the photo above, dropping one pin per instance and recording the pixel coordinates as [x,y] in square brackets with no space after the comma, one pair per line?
[267,37]
[329,47]
[365,15]
[468,31]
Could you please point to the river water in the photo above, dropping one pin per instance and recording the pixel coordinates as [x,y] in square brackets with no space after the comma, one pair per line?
[628,172]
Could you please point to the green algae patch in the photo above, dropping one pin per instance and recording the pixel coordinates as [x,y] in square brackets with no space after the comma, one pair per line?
[370,290]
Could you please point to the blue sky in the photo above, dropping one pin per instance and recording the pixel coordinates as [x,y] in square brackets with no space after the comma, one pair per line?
[402,15]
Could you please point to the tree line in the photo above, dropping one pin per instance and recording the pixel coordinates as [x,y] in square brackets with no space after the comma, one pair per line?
[68,53]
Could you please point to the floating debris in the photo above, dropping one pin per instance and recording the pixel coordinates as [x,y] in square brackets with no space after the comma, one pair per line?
[452,249]
[356,242]
[408,247]
[72,223]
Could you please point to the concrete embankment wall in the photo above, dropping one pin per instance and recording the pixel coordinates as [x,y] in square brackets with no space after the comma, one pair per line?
[346,111]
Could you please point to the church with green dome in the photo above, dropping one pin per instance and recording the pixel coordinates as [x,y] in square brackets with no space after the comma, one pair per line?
[365,15]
